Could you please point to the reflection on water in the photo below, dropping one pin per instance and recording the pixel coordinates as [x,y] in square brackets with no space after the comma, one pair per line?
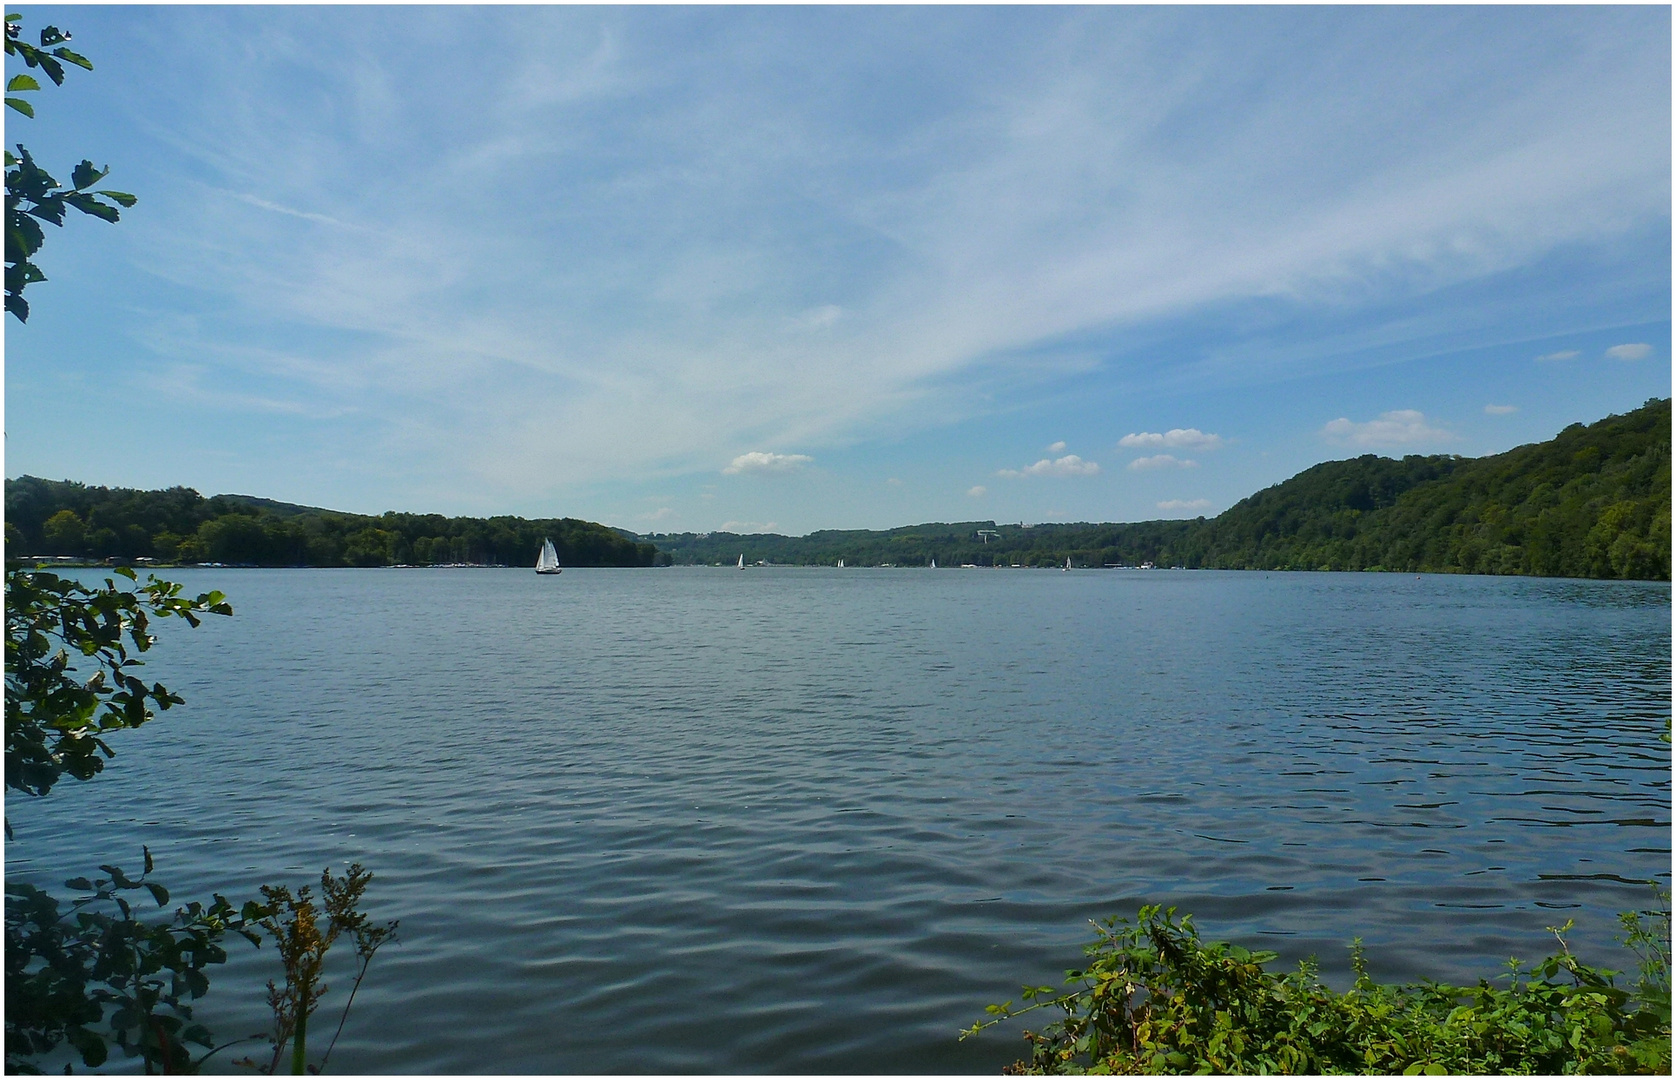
[789,820]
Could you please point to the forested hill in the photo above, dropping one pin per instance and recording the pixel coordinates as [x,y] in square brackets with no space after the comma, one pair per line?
[1592,502]
[60,517]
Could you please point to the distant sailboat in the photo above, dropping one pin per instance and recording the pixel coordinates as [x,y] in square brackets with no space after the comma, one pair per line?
[1067,565]
[840,564]
[933,562]
[741,565]
[548,562]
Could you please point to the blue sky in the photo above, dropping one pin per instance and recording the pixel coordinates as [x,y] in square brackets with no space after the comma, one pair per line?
[798,268]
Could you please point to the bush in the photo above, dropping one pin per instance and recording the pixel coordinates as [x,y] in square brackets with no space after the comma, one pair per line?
[1156,999]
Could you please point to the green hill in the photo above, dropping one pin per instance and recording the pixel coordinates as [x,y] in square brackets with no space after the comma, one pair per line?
[1594,501]
[60,517]
[1591,502]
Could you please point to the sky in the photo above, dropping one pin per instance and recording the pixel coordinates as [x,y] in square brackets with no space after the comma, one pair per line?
[688,269]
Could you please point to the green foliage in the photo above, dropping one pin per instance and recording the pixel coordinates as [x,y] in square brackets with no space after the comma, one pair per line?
[58,715]
[1592,502]
[97,974]
[180,525]
[294,923]
[1154,998]
[32,194]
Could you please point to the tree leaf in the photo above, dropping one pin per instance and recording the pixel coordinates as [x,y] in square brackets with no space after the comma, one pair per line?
[22,106]
[23,82]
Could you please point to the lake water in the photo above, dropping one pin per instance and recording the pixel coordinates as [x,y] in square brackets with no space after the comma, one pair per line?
[815,820]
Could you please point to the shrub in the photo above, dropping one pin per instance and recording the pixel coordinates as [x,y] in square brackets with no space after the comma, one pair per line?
[1155,998]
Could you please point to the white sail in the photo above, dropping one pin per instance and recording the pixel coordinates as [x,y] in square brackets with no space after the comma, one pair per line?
[548,562]
[741,562]
[933,562]
[1067,565]
[840,564]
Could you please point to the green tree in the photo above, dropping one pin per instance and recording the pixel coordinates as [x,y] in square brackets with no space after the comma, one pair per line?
[32,194]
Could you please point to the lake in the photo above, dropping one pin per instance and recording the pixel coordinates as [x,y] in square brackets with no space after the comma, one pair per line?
[784,819]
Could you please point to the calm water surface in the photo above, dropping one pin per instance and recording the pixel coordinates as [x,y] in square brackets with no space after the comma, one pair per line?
[797,819]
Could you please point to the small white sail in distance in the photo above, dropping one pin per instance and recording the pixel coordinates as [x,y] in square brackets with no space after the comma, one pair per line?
[548,561]
[933,562]
[741,562]
[1067,565]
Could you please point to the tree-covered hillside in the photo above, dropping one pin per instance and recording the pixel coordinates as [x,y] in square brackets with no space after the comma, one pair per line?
[1592,502]
[48,517]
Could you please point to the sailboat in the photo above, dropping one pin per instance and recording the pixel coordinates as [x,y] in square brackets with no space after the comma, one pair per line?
[933,562]
[741,561]
[1067,565]
[840,564]
[548,562]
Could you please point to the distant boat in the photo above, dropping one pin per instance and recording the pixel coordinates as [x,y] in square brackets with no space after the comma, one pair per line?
[548,562]
[741,565]
[933,562]
[1067,565]
[840,564]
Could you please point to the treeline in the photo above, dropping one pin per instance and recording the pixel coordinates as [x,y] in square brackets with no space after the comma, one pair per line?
[60,517]
[1592,502]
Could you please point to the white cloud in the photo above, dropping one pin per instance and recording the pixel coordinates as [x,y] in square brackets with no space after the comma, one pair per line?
[1163,461]
[1501,410]
[1629,352]
[977,491]
[679,307]
[1056,447]
[1400,427]
[1184,504]
[894,482]
[657,515]
[1564,354]
[759,462]
[1184,438]
[746,526]
[1069,465]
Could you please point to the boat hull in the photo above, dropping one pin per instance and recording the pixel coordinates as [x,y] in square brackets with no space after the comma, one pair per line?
[555,570]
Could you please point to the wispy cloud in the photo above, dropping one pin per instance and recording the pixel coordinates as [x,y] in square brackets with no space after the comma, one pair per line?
[1555,357]
[1501,410]
[658,515]
[1054,448]
[1162,461]
[1174,505]
[1069,465]
[758,461]
[1629,352]
[747,526]
[977,491]
[1400,427]
[707,255]
[1182,438]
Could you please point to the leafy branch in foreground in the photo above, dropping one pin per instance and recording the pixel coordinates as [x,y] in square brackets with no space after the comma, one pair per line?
[56,723]
[66,971]
[32,194]
[1154,998]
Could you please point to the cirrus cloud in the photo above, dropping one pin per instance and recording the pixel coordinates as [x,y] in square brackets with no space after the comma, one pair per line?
[1184,438]
[1069,465]
[1630,352]
[1500,410]
[1184,504]
[1400,427]
[1563,354]
[977,491]
[758,461]
[1163,461]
